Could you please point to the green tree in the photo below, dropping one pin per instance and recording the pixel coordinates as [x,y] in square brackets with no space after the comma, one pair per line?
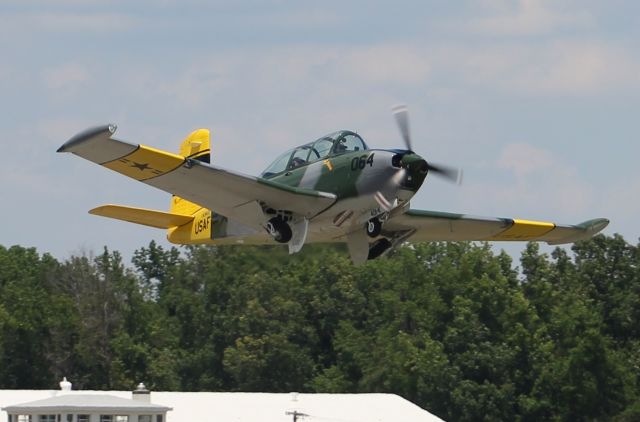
[25,312]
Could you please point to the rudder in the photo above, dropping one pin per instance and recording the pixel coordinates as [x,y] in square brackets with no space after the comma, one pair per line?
[196,146]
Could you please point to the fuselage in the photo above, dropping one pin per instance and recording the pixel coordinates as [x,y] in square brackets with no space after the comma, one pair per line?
[367,182]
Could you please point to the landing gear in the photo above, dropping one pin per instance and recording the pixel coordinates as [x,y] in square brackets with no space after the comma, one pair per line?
[373,227]
[279,229]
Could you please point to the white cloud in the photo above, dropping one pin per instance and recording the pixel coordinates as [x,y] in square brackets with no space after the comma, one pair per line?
[560,68]
[387,64]
[577,68]
[527,17]
[523,159]
[533,183]
[288,70]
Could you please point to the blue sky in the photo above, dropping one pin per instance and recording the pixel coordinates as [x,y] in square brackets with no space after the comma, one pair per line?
[536,100]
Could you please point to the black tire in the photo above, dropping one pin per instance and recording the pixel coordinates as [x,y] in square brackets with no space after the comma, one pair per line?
[281,230]
[373,227]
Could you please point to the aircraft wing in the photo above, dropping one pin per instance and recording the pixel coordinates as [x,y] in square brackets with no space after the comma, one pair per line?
[234,195]
[441,226]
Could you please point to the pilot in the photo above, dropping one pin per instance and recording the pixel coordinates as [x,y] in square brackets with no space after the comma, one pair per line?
[297,162]
[340,146]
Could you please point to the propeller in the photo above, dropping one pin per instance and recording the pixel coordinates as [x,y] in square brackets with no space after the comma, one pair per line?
[450,174]
[401,113]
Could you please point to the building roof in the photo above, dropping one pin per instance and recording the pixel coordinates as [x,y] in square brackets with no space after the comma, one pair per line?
[250,407]
[270,407]
[84,402]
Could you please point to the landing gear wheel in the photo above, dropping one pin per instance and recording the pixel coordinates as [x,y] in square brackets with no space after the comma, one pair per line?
[279,229]
[373,227]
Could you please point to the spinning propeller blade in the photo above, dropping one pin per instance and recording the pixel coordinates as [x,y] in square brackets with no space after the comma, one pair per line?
[401,113]
[450,174]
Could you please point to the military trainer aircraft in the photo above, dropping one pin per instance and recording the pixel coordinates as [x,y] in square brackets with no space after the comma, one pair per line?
[335,189]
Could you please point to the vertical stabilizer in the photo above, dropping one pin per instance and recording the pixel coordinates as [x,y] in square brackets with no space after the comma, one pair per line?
[197,146]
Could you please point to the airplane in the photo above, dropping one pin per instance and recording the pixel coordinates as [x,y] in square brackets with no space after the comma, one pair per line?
[334,189]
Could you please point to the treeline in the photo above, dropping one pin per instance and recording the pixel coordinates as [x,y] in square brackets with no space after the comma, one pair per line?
[452,327]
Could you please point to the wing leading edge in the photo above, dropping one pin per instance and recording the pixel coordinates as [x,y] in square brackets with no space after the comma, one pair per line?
[441,226]
[234,195]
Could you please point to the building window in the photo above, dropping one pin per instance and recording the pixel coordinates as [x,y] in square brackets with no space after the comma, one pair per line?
[24,418]
[144,418]
[47,418]
[83,418]
[106,418]
[121,418]
[159,418]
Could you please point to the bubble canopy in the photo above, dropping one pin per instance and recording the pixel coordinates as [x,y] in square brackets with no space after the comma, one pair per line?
[330,145]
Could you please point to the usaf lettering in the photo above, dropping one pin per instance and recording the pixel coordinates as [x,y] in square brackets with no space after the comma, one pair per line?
[202,224]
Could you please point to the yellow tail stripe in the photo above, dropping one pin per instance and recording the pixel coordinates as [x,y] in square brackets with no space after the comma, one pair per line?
[525,230]
[145,163]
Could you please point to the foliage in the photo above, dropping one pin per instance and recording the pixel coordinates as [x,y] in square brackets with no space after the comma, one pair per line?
[452,327]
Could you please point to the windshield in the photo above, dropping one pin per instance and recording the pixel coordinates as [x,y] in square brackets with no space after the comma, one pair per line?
[279,165]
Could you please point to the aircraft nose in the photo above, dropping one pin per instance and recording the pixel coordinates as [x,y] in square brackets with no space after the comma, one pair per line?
[416,168]
[415,163]
[422,166]
[419,166]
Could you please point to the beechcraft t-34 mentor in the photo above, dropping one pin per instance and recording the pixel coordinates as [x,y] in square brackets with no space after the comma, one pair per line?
[334,189]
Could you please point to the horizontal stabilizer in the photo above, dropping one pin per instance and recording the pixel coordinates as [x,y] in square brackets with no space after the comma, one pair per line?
[152,218]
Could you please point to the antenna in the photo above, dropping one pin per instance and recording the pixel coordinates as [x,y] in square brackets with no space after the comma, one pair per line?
[296,414]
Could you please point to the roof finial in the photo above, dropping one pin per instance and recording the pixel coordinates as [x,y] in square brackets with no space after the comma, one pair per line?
[141,393]
[65,385]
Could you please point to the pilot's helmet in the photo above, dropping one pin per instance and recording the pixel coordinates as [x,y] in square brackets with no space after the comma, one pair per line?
[297,162]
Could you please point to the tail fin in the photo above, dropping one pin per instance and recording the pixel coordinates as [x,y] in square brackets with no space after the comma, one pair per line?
[197,146]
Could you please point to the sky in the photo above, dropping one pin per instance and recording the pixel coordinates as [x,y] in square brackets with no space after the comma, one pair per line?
[536,100]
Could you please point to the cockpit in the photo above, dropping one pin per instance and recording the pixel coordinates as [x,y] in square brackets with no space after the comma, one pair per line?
[328,146]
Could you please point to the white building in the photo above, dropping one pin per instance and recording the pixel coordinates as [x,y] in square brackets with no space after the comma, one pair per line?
[122,406]
[77,406]
[86,408]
